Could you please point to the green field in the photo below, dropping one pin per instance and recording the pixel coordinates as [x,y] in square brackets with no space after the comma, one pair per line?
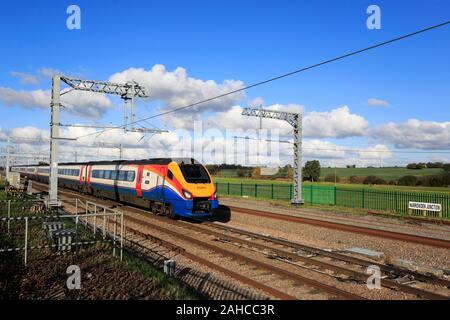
[383,173]
[388,198]
[285,182]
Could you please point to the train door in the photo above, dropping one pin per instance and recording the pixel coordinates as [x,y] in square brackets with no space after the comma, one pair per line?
[82,177]
[160,182]
[139,179]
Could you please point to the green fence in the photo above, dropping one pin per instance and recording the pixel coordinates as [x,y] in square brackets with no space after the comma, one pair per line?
[394,201]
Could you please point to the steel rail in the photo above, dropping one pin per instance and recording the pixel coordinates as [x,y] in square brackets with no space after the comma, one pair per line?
[250,282]
[225,252]
[179,250]
[358,275]
[440,243]
[337,256]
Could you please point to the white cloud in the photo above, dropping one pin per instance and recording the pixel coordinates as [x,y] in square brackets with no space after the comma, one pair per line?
[337,123]
[29,132]
[86,104]
[414,134]
[177,89]
[25,78]
[378,102]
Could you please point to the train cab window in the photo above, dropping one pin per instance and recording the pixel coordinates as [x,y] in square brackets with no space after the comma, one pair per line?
[194,173]
[170,175]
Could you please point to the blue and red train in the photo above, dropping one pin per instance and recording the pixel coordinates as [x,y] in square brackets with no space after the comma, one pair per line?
[176,187]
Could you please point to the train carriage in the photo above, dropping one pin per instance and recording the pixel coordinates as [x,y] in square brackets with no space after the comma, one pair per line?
[173,187]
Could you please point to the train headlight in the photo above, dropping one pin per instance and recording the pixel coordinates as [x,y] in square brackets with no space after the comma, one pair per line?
[215,195]
[187,194]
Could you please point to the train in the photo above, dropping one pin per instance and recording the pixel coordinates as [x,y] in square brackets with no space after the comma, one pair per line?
[175,187]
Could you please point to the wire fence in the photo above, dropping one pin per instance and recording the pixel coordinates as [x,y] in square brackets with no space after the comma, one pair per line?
[380,200]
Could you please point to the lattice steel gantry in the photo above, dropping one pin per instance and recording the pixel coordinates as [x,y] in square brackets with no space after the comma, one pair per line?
[295,120]
[125,91]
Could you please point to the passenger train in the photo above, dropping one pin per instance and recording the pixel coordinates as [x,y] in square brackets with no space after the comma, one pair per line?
[176,187]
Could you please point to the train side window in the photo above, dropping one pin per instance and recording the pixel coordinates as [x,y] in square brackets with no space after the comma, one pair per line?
[114,175]
[107,174]
[130,176]
[122,175]
[170,175]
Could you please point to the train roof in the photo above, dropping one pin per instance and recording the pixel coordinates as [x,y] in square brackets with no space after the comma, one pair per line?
[160,161]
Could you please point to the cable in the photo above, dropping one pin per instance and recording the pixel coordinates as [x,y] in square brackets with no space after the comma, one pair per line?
[288,74]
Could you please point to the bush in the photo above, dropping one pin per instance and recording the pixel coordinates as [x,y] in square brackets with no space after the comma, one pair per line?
[407,181]
[432,181]
[435,164]
[243,173]
[392,182]
[256,173]
[373,180]
[446,167]
[331,177]
[416,166]
[357,179]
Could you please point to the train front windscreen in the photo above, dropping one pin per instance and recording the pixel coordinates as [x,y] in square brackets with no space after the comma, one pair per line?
[195,173]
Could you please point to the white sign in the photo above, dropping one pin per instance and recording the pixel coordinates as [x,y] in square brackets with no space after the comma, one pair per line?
[425,206]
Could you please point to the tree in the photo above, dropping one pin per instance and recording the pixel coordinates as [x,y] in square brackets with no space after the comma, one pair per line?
[374,180]
[446,167]
[311,171]
[407,181]
[331,177]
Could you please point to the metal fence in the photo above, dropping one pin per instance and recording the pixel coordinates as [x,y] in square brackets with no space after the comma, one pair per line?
[382,200]
[25,229]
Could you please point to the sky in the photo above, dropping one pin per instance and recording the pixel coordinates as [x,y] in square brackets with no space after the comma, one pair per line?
[388,106]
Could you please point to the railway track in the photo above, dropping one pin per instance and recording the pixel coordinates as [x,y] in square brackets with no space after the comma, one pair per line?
[291,255]
[308,284]
[440,243]
[307,260]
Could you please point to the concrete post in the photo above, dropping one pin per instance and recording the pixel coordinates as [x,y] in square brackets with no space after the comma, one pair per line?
[54,134]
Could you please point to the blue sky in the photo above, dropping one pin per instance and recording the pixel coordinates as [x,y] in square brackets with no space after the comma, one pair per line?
[246,41]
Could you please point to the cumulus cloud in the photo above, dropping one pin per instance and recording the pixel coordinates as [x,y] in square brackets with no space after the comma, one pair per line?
[86,104]
[414,134]
[25,78]
[378,102]
[176,89]
[336,123]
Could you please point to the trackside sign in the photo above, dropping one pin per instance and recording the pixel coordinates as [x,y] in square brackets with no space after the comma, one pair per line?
[425,206]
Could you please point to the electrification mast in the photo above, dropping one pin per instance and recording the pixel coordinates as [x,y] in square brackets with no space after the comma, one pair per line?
[126,91]
[295,120]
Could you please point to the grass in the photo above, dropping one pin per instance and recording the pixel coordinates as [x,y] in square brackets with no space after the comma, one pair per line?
[285,182]
[134,267]
[170,286]
[383,173]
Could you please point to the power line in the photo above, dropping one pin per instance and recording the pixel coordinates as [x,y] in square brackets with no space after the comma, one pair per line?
[286,74]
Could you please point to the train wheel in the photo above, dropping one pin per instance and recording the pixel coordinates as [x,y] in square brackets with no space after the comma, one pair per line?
[171,214]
